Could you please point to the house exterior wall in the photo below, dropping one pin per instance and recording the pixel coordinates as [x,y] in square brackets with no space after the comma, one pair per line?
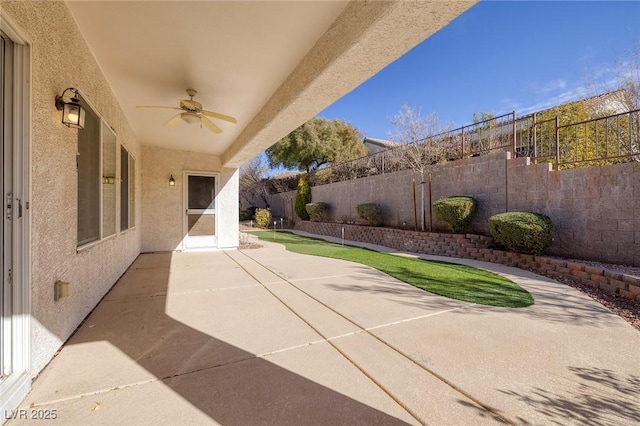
[163,205]
[595,210]
[60,59]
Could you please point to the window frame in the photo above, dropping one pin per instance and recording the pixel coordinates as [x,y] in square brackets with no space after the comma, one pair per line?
[99,177]
[131,190]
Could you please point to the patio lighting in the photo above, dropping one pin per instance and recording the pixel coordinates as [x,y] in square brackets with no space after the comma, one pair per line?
[72,111]
[172,181]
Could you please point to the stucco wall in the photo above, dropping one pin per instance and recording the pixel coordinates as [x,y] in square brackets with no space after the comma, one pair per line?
[163,205]
[595,210]
[61,59]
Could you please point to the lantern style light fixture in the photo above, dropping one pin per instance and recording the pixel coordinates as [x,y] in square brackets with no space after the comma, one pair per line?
[72,111]
[172,181]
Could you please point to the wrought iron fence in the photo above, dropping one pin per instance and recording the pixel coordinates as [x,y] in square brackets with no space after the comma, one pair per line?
[483,137]
[599,141]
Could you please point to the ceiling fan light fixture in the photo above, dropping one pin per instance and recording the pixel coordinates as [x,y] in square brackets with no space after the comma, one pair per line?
[190,118]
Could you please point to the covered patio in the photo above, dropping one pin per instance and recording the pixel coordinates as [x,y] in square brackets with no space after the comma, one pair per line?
[224,80]
[266,336]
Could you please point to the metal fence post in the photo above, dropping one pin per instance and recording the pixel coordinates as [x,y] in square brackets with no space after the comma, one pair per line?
[535,140]
[462,142]
[514,134]
[557,144]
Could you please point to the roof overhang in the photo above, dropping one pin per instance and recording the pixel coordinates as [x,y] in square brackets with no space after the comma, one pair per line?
[272,65]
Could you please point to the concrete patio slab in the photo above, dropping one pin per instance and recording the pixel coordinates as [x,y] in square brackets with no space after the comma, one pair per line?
[374,300]
[239,338]
[432,400]
[307,386]
[328,323]
[531,369]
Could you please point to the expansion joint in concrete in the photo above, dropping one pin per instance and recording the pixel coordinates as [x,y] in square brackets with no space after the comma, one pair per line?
[492,411]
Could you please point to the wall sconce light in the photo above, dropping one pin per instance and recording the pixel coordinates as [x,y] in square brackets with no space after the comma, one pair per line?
[172,181]
[108,180]
[72,111]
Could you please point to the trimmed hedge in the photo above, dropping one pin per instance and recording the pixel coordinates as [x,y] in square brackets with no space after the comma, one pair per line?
[263,218]
[303,197]
[370,213]
[522,232]
[245,215]
[456,211]
[318,212]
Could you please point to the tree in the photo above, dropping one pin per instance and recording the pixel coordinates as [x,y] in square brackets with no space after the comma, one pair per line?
[253,183]
[483,135]
[576,143]
[419,149]
[317,142]
[303,197]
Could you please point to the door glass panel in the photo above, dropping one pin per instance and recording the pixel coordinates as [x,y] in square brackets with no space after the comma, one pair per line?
[201,192]
[201,212]
[201,225]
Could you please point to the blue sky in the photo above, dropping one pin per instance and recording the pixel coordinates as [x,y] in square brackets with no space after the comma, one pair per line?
[500,56]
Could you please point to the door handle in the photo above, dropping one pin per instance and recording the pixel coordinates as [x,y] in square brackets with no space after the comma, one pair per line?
[19,207]
[9,203]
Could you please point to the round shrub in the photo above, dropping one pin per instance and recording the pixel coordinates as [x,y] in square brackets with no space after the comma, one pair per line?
[303,197]
[522,232]
[370,213]
[263,218]
[318,212]
[456,211]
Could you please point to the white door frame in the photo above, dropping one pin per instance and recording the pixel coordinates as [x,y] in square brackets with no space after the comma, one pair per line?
[15,387]
[185,179]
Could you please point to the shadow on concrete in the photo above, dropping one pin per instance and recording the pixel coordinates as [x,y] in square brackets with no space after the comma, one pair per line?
[598,397]
[228,384]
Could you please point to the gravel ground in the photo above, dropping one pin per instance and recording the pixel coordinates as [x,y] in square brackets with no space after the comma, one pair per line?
[628,309]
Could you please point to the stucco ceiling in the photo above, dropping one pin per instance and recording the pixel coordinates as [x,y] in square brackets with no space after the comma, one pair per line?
[263,62]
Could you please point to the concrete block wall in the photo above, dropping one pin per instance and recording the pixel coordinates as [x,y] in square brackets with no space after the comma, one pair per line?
[595,210]
[480,247]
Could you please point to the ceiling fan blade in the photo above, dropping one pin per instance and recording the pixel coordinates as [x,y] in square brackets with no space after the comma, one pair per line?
[173,120]
[220,116]
[210,125]
[155,106]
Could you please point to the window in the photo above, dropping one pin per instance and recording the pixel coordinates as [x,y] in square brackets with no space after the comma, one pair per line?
[108,181]
[96,163]
[88,162]
[127,190]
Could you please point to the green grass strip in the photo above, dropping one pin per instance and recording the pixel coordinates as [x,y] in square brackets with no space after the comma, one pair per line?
[446,279]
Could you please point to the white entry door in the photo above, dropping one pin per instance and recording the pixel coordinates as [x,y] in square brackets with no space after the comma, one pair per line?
[200,211]
[15,329]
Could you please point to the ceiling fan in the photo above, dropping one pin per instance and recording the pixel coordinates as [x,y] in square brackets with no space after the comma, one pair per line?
[193,113]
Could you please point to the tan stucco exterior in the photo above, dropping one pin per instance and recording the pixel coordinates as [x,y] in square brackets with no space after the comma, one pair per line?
[60,59]
[163,205]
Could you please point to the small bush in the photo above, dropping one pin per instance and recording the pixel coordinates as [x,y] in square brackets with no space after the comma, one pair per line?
[246,215]
[263,218]
[318,212]
[522,232]
[303,197]
[456,211]
[370,213]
